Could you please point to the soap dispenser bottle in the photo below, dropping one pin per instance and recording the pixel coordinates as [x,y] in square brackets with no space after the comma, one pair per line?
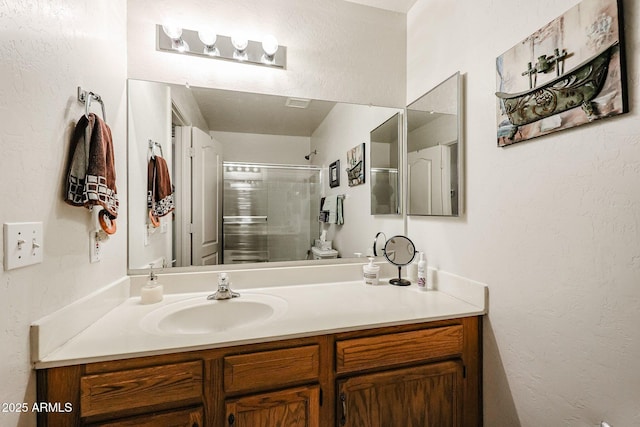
[151,292]
[371,273]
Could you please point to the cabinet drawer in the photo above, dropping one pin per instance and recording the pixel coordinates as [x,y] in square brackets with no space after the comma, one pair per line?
[248,372]
[395,349]
[183,418]
[139,388]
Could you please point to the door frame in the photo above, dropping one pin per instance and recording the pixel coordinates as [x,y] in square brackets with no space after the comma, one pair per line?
[182,178]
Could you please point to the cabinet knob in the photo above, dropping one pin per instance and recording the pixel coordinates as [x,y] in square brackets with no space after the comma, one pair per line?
[232,419]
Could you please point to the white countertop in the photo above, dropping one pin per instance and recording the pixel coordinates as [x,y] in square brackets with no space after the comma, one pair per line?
[312,309]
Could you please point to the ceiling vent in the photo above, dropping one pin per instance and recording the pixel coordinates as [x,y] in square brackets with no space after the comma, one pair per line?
[297,102]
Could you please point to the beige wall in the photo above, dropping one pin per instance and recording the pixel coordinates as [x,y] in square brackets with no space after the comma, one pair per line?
[552,225]
[47,50]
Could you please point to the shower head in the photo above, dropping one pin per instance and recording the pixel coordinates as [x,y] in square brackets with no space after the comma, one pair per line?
[308,156]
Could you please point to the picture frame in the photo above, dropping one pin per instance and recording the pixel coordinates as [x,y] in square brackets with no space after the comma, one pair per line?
[334,174]
[356,165]
[543,96]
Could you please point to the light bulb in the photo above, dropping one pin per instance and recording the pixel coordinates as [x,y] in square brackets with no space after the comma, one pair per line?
[239,42]
[207,37]
[211,51]
[179,45]
[270,45]
[172,31]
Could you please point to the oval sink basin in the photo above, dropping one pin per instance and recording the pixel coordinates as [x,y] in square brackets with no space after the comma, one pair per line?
[202,316]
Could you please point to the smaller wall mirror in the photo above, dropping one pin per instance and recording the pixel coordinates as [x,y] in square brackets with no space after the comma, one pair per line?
[435,151]
[385,179]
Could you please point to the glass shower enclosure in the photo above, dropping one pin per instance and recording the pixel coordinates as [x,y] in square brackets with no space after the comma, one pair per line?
[270,212]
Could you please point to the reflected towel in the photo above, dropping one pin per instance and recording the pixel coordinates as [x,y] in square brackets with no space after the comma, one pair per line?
[91,173]
[333,205]
[159,188]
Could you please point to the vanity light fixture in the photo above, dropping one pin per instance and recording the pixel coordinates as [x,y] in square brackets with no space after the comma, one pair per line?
[240,44]
[206,43]
[175,35]
[208,38]
[270,48]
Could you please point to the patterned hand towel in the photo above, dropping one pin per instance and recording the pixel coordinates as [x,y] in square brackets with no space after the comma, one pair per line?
[91,173]
[159,188]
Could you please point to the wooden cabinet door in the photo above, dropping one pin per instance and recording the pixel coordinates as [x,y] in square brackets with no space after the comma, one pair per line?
[424,396]
[298,407]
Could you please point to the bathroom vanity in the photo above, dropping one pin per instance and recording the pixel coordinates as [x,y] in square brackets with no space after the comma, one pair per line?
[341,354]
[394,374]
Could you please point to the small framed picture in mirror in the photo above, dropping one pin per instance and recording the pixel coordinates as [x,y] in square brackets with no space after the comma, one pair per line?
[334,174]
[355,163]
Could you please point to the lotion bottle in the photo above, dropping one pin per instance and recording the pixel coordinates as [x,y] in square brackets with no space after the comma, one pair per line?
[422,273]
[371,273]
[151,293]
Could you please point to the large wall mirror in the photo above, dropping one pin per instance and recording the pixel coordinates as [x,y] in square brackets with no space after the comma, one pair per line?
[386,141]
[435,151]
[247,173]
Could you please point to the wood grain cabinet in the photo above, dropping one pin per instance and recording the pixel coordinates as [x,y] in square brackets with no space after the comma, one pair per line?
[428,395]
[298,407]
[418,375]
[180,418]
[423,396]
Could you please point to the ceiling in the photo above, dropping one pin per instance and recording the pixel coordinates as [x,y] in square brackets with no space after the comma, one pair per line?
[244,112]
[402,6]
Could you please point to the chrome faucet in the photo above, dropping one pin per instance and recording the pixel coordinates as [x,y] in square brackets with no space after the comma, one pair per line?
[224,290]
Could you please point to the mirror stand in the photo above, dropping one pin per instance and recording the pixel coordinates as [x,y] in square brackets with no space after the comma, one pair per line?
[399,251]
[399,281]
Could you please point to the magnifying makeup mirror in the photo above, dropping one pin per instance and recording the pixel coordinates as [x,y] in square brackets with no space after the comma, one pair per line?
[399,251]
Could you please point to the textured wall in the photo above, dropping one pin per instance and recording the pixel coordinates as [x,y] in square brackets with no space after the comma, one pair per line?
[335,50]
[47,50]
[552,225]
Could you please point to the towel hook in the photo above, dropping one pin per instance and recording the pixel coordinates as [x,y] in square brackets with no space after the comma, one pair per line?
[152,145]
[86,97]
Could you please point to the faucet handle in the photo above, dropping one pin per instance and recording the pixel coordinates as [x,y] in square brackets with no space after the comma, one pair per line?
[223,282]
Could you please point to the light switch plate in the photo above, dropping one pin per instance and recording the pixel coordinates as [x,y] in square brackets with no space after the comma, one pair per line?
[23,244]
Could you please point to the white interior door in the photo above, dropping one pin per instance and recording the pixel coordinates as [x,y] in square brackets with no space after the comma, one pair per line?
[206,195]
[430,181]
[420,171]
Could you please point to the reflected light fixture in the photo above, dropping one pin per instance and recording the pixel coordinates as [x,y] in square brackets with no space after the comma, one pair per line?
[207,43]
